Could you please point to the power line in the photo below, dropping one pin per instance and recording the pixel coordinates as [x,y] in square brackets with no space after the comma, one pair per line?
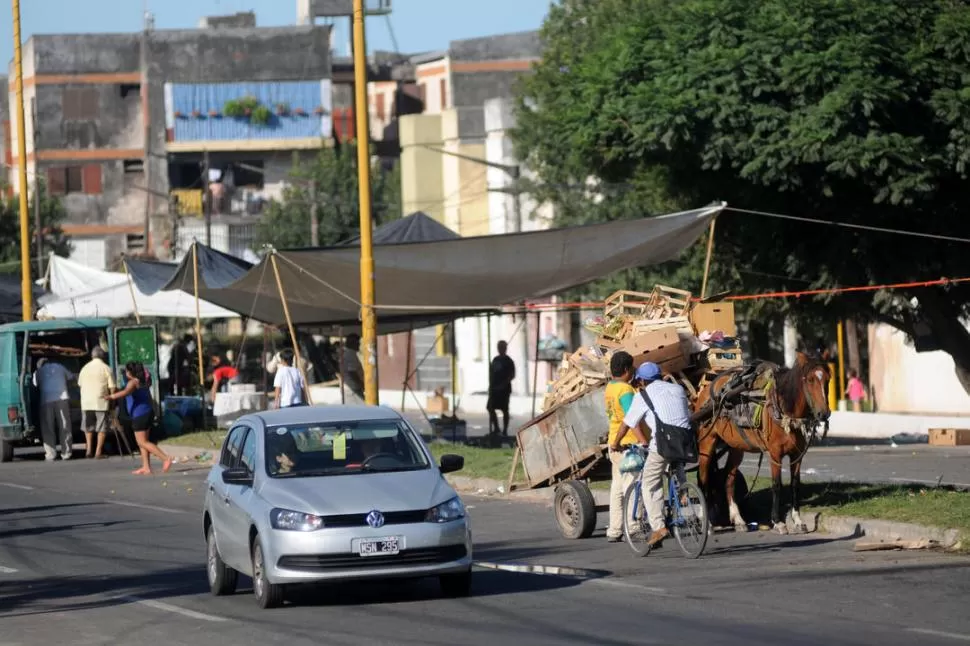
[849,225]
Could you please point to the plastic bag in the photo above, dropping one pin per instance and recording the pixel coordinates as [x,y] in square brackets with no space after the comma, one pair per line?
[632,461]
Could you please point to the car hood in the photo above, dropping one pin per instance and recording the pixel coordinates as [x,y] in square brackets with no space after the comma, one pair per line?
[358,493]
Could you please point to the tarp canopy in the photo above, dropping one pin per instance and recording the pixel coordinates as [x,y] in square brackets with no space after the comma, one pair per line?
[422,283]
[216,270]
[78,291]
[417,227]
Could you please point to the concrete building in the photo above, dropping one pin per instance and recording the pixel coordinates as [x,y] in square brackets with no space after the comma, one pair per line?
[458,165]
[119,124]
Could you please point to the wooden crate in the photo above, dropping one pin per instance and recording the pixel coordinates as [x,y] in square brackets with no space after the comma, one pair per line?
[625,302]
[949,436]
[724,358]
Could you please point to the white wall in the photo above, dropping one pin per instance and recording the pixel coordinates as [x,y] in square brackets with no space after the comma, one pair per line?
[907,381]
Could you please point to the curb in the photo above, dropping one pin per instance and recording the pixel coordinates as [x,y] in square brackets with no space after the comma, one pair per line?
[888,531]
[492,488]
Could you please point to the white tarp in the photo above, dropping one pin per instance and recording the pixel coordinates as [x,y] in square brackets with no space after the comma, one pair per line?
[77,291]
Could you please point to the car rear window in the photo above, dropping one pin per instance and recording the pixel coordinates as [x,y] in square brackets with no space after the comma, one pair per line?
[337,449]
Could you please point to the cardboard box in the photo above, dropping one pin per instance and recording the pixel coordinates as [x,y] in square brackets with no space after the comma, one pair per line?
[949,436]
[713,317]
[437,404]
[661,346]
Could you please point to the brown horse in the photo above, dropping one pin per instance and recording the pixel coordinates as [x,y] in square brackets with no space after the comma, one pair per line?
[794,402]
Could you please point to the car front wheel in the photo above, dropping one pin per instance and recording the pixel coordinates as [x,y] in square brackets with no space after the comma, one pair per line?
[268,595]
[456,585]
[222,578]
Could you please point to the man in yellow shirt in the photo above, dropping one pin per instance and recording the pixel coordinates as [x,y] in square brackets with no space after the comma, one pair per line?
[95,381]
[619,396]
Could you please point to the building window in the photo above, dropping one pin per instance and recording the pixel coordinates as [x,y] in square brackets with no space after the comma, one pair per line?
[379,106]
[80,104]
[129,88]
[134,166]
[423,94]
[64,180]
[443,85]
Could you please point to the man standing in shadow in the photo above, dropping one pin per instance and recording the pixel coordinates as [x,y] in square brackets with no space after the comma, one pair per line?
[500,376]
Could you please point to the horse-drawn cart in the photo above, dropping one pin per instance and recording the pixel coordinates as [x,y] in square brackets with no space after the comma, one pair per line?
[565,448]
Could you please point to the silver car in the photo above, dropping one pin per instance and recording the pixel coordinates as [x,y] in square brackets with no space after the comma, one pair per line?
[333,493]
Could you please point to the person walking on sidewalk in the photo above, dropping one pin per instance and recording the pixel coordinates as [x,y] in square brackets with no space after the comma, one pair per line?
[619,395]
[51,379]
[95,381]
[138,416]
[668,401]
[501,374]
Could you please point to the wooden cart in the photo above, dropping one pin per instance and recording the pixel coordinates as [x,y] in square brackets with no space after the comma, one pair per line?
[565,447]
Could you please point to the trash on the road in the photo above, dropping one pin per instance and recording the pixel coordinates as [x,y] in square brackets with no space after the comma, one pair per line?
[810,472]
[752,526]
[500,489]
[873,546]
[858,448]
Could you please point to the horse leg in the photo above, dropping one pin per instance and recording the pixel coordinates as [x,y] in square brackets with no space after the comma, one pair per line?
[796,481]
[735,457]
[777,521]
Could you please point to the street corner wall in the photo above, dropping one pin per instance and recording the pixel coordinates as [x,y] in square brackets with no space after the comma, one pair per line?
[906,381]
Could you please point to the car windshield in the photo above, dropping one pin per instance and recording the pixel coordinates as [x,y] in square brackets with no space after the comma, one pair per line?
[305,450]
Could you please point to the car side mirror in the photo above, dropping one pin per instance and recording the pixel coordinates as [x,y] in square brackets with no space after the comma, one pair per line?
[238,476]
[451,463]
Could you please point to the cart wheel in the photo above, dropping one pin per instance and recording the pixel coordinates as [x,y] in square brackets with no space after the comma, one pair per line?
[575,510]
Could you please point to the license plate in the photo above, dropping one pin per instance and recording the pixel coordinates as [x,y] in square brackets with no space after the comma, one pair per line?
[387,546]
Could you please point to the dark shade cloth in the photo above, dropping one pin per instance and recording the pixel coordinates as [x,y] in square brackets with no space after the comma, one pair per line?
[216,270]
[424,283]
[417,227]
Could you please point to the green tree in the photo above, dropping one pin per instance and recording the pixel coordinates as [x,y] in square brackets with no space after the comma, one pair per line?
[330,181]
[843,110]
[52,215]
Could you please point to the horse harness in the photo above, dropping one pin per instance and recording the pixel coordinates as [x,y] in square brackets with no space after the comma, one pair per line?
[744,398]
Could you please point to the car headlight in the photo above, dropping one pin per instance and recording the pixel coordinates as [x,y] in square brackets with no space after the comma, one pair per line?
[295,521]
[446,511]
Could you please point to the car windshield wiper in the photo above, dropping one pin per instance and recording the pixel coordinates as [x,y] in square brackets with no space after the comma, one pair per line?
[310,473]
[410,467]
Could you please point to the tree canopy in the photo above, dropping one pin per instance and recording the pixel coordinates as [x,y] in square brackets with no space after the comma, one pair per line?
[329,180]
[853,111]
[52,216]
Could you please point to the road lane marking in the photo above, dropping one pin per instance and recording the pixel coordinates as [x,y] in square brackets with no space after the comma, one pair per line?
[138,505]
[7,570]
[613,583]
[158,605]
[16,486]
[940,633]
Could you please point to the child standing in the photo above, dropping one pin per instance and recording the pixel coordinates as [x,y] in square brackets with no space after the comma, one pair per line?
[855,390]
[288,382]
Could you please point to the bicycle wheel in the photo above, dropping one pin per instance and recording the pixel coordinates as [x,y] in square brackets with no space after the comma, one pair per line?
[690,521]
[636,525]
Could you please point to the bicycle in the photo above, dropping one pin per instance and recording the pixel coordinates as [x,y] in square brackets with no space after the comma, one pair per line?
[685,513]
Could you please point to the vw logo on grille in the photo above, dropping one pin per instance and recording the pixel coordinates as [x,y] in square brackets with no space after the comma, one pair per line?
[375,519]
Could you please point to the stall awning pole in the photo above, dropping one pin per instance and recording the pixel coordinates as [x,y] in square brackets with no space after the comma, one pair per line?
[131,290]
[289,325]
[198,314]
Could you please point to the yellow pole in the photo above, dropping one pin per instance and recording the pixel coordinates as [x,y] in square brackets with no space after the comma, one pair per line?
[289,325]
[131,290]
[707,260]
[27,295]
[833,398]
[368,335]
[841,352]
[198,315]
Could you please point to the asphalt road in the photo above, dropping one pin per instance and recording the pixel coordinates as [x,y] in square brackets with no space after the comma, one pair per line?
[92,555]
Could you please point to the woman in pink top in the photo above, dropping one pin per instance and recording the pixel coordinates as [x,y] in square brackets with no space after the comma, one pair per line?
[855,390]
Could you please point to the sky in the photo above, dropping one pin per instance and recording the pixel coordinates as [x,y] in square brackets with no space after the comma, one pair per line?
[417,25]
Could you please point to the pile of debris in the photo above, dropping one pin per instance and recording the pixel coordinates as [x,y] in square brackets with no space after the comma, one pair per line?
[689,340]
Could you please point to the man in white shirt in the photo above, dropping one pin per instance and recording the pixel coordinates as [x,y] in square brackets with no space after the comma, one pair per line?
[96,382]
[670,404]
[288,382]
[51,380]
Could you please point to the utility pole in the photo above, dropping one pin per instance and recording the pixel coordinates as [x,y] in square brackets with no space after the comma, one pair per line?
[206,199]
[38,197]
[146,117]
[314,218]
[368,316]
[26,293]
